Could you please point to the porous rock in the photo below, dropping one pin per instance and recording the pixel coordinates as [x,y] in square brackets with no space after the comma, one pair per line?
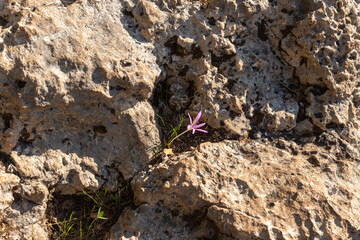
[266,65]
[74,91]
[156,222]
[257,190]
[75,82]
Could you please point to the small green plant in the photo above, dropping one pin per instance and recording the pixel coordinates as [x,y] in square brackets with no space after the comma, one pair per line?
[89,222]
[156,151]
[174,131]
[116,197]
[86,232]
[161,119]
[65,227]
[100,200]
[85,229]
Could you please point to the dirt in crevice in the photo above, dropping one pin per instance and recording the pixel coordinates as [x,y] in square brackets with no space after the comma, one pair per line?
[84,209]
[5,159]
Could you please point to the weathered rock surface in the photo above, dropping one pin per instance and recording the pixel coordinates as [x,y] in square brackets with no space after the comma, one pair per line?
[274,66]
[251,190]
[263,64]
[79,92]
[74,89]
[156,222]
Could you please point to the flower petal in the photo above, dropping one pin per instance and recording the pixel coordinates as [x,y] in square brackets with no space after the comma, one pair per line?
[191,123]
[193,130]
[201,130]
[197,117]
[199,125]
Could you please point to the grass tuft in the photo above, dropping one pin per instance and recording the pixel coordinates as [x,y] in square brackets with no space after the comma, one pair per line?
[88,216]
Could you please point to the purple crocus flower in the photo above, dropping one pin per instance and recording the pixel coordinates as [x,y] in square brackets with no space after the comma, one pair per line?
[193,125]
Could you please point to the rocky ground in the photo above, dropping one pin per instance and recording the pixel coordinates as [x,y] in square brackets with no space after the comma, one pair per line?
[89,90]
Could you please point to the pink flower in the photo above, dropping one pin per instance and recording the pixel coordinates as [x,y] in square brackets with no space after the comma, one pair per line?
[193,125]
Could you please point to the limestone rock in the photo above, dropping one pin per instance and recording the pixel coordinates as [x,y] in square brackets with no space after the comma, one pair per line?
[35,192]
[322,44]
[81,83]
[154,222]
[74,91]
[257,190]
[231,59]
[8,182]
[75,84]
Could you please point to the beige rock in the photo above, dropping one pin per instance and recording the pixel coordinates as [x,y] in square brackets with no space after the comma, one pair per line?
[322,48]
[147,14]
[255,190]
[304,127]
[33,231]
[75,84]
[77,59]
[74,90]
[35,192]
[8,182]
[151,222]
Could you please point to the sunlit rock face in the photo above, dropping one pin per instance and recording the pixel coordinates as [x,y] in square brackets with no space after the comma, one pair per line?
[243,190]
[74,88]
[81,83]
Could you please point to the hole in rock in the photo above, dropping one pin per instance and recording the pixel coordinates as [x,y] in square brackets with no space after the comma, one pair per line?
[99,129]
[66,65]
[5,159]
[336,126]
[270,205]
[125,63]
[302,113]
[8,117]
[353,56]
[218,60]
[117,88]
[212,21]
[287,30]
[183,71]
[314,161]
[230,84]
[3,21]
[128,13]
[99,75]
[262,31]
[24,137]
[303,60]
[196,51]
[318,90]
[174,47]
[67,2]
[20,84]
[318,115]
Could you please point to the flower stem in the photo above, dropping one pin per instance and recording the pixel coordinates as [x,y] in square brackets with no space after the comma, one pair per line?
[177,137]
